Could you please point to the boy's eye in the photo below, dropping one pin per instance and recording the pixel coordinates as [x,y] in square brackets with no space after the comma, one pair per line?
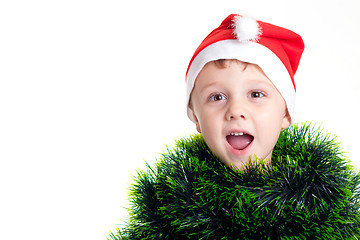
[256,94]
[217,97]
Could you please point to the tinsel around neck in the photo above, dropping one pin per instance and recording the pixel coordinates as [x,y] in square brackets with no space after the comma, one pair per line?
[309,191]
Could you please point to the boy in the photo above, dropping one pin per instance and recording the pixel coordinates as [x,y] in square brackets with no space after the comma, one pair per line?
[220,184]
[236,107]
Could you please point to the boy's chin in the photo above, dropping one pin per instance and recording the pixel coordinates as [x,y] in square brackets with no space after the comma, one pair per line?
[236,163]
[243,162]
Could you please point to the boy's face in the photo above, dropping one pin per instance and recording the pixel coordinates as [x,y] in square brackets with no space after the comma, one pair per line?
[239,111]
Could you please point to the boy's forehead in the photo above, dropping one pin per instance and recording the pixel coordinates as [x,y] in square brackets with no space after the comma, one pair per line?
[211,74]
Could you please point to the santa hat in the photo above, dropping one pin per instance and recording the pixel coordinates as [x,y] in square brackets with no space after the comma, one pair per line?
[275,49]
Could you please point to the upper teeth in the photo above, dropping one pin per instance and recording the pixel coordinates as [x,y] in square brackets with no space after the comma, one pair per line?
[237,134]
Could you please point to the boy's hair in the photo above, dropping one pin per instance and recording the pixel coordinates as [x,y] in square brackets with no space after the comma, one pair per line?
[224,63]
[221,63]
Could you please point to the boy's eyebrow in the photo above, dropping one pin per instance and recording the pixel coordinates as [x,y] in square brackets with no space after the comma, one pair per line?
[262,82]
[209,84]
[255,80]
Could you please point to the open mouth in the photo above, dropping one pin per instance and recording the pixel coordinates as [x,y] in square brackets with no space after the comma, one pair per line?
[239,140]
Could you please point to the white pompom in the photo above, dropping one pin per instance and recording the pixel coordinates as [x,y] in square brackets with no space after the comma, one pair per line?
[246,28]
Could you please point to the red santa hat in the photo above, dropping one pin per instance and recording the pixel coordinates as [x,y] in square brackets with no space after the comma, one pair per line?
[275,49]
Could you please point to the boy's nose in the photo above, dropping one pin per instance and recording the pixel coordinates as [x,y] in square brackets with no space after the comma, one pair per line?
[236,111]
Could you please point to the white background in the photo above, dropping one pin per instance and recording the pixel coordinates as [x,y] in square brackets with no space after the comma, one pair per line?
[91,89]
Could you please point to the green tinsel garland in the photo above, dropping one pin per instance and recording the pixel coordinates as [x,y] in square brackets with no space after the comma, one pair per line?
[310,191]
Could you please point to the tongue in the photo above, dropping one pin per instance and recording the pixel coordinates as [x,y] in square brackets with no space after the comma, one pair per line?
[239,142]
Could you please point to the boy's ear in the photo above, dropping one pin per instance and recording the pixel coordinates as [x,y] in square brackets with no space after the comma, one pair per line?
[286,122]
[195,120]
[198,127]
